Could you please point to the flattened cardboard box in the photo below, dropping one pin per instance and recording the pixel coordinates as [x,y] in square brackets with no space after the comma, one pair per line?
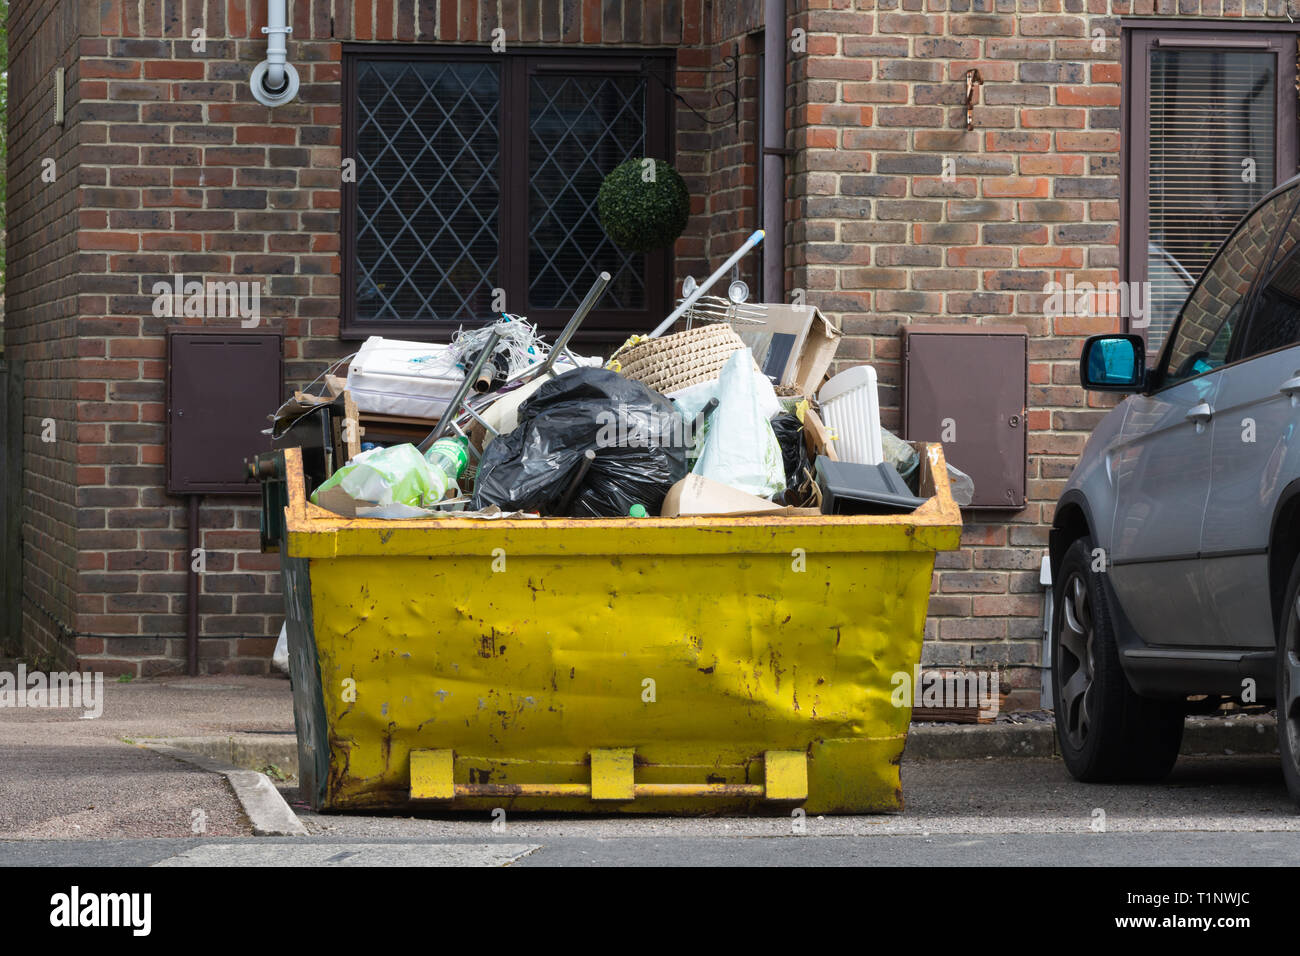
[807,334]
[698,497]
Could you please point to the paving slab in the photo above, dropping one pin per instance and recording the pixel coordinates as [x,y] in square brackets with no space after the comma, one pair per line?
[67,777]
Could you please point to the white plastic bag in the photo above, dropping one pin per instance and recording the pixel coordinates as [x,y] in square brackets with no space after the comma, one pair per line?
[280,656]
[739,448]
[963,487]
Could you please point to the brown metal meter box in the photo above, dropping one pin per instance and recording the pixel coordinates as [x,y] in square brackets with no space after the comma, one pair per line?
[221,386]
[967,387]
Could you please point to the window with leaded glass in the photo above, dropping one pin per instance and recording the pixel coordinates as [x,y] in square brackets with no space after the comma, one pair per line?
[476,181]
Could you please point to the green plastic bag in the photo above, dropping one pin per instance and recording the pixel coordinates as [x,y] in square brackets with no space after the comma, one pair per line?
[399,475]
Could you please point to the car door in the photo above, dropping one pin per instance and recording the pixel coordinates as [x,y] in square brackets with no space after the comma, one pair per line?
[1254,452]
[1161,459]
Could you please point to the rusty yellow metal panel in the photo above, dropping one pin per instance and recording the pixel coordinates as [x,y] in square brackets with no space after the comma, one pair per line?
[431,775]
[692,647]
[612,774]
[785,775]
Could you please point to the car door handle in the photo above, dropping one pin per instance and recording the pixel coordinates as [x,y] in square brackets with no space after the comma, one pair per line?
[1291,388]
[1201,415]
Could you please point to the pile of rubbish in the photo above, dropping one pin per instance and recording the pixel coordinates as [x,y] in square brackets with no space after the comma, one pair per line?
[732,415]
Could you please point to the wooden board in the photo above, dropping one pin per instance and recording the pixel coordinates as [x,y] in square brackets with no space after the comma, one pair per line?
[351,426]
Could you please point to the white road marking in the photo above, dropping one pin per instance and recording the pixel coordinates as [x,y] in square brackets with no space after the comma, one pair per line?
[351,854]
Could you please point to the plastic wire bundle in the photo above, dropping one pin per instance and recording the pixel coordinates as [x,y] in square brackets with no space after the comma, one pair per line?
[519,347]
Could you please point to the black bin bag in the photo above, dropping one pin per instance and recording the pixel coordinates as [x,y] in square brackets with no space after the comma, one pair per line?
[794,457]
[637,435]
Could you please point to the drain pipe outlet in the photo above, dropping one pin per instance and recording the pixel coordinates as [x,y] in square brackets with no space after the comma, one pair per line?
[274,80]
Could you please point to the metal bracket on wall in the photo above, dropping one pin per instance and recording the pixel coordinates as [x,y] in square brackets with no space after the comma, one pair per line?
[727,96]
[973,79]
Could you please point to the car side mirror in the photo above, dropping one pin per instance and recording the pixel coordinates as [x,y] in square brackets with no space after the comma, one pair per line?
[1113,363]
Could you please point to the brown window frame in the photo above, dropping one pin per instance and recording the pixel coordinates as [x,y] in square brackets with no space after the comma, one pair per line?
[1137,37]
[518,66]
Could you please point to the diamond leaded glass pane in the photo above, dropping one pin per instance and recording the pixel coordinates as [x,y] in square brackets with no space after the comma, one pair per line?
[580,128]
[428,190]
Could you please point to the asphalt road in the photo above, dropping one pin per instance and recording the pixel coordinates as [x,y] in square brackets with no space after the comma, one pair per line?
[950,849]
[77,792]
[1211,811]
[959,797]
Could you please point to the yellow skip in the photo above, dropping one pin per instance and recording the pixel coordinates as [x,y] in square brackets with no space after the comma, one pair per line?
[627,665]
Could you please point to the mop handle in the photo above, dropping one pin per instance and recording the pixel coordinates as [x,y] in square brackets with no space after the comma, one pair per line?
[689,301]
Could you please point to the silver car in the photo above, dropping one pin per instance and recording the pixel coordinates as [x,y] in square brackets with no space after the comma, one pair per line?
[1175,547]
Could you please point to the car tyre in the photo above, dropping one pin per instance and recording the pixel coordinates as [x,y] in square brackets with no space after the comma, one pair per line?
[1106,731]
[1288,685]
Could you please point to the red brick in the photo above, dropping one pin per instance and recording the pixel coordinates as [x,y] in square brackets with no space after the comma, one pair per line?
[1022,187]
[1088,95]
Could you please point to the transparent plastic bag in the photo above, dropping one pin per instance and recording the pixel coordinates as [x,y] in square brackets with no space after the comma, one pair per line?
[738,447]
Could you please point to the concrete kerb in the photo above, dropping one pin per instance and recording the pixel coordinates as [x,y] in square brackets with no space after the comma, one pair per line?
[248,751]
[265,807]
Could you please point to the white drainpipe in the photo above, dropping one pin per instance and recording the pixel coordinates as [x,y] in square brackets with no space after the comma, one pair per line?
[274,80]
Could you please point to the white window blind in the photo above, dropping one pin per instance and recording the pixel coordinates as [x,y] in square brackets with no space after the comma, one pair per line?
[1210,158]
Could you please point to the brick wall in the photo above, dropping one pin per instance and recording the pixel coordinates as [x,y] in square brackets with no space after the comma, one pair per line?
[183,172]
[728,203]
[41,327]
[882,239]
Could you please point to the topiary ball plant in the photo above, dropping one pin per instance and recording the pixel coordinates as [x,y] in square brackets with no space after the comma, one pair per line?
[643,205]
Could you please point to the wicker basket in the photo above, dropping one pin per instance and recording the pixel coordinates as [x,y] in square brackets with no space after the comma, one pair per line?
[678,361]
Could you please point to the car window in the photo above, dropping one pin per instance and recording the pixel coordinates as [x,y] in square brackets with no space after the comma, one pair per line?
[1170,286]
[1275,322]
[1213,313]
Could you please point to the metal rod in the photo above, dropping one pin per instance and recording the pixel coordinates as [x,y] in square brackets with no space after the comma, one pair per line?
[755,238]
[584,466]
[584,307]
[453,406]
[192,592]
[579,316]
[584,790]
[479,418]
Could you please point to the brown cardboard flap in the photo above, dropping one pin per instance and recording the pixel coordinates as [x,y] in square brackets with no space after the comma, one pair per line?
[818,353]
[817,437]
[696,496]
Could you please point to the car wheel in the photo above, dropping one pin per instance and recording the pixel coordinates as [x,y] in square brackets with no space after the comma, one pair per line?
[1288,686]
[1106,731]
